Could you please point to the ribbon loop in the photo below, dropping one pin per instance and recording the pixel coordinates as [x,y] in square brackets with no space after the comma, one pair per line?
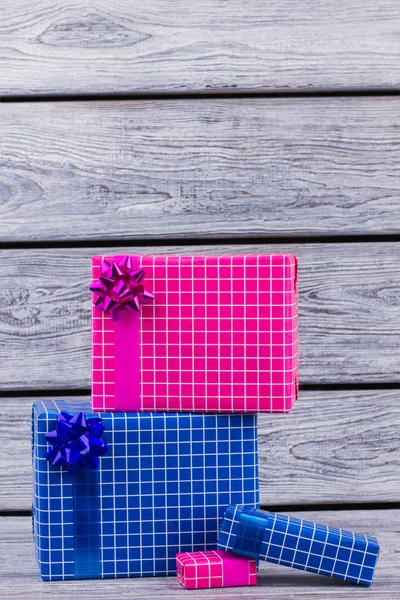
[120,287]
[76,442]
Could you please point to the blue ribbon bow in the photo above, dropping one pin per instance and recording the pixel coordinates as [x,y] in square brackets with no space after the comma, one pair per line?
[76,442]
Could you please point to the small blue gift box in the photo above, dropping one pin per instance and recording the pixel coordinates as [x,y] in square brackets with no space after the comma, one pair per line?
[300,544]
[162,488]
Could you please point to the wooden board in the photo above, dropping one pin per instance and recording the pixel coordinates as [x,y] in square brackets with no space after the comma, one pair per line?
[335,447]
[19,571]
[194,169]
[349,312]
[129,47]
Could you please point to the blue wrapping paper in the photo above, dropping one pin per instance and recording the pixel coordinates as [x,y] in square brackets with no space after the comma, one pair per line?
[301,544]
[162,488]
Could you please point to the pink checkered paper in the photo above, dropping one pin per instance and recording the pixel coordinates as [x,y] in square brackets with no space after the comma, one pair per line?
[220,336]
[215,569]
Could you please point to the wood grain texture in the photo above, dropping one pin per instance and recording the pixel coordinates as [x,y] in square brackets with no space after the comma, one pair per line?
[19,572]
[334,447]
[127,46]
[233,168]
[349,312]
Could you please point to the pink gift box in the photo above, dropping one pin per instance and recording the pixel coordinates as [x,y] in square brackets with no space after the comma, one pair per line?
[215,569]
[220,336]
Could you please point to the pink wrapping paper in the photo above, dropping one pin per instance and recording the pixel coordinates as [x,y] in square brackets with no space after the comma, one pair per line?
[215,569]
[220,336]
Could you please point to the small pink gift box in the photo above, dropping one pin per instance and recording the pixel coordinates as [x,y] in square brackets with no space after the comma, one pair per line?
[215,569]
[220,335]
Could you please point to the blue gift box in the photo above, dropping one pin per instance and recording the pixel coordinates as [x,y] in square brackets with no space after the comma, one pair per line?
[300,544]
[162,488]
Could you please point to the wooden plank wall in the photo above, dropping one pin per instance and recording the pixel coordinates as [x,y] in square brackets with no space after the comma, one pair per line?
[55,48]
[217,127]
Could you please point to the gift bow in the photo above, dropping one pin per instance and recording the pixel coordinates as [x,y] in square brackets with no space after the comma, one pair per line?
[120,287]
[76,442]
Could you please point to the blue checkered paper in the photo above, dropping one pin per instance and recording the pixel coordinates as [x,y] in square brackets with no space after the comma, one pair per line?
[300,544]
[162,488]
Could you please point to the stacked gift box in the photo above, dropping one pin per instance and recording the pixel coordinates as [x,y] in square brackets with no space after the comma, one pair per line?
[150,479]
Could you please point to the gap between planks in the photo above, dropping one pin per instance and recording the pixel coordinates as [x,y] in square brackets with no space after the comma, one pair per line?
[202,95]
[168,242]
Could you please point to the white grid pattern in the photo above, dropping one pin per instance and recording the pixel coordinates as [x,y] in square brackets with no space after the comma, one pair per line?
[221,335]
[301,544]
[161,490]
[215,569]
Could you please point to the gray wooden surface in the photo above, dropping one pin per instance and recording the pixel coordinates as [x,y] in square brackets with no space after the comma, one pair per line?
[335,447]
[246,171]
[205,168]
[212,45]
[349,312]
[19,578]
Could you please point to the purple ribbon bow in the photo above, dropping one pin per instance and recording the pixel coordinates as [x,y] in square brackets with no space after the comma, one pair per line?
[76,442]
[119,287]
